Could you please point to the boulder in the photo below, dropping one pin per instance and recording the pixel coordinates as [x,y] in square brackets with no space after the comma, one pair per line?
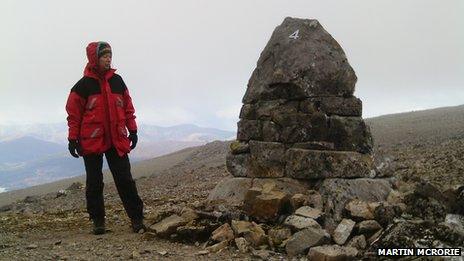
[230,191]
[316,164]
[265,206]
[301,241]
[332,253]
[336,193]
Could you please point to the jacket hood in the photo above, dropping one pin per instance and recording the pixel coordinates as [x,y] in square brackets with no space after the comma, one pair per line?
[91,69]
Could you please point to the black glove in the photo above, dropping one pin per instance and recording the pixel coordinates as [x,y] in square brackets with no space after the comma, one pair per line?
[133,138]
[73,147]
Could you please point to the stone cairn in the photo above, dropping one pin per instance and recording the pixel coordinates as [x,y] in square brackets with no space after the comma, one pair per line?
[304,180]
[303,154]
[300,118]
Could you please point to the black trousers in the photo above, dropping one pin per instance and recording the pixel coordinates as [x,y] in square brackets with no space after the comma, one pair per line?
[125,184]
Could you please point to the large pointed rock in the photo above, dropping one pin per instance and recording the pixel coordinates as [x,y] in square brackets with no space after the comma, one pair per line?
[300,60]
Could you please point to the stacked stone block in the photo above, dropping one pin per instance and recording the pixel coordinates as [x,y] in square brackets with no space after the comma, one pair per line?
[299,117]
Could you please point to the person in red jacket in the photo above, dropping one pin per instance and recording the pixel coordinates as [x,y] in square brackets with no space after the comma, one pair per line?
[100,111]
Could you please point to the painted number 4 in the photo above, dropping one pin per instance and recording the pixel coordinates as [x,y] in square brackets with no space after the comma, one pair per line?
[294,35]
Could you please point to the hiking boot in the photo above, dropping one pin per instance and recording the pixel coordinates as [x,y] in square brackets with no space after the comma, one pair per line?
[138,226]
[98,226]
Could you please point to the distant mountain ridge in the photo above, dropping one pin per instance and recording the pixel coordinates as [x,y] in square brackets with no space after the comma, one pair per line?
[26,148]
[57,132]
[37,153]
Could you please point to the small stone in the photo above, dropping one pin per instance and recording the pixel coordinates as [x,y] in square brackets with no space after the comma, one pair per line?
[359,210]
[61,193]
[298,200]
[202,252]
[32,246]
[343,231]
[256,235]
[168,225]
[241,244]
[278,235]
[262,254]
[332,252]
[368,227]
[358,242]
[455,222]
[163,252]
[385,213]
[240,227]
[307,211]
[306,238]
[223,233]
[148,236]
[188,214]
[298,222]
[217,247]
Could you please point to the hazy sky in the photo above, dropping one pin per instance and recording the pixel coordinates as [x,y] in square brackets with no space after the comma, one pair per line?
[190,61]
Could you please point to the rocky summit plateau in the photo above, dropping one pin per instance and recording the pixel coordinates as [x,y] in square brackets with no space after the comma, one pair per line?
[307,178]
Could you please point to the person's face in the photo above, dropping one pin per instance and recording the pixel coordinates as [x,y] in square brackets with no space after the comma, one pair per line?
[104,62]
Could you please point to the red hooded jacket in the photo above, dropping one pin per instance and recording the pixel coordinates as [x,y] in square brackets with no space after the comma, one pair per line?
[100,109]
